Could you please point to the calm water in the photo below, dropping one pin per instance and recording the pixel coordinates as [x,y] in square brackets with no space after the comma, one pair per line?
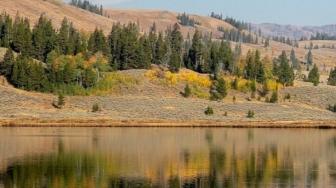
[151,157]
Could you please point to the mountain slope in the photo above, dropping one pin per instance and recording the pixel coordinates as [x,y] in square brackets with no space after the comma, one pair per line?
[56,11]
[165,19]
[292,31]
[88,21]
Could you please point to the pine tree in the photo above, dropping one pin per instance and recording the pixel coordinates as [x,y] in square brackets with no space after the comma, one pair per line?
[218,89]
[310,58]
[294,60]
[97,42]
[284,71]
[63,37]
[176,40]
[249,67]
[6,66]
[226,55]
[22,40]
[196,50]
[260,74]
[6,30]
[314,76]
[44,38]
[160,50]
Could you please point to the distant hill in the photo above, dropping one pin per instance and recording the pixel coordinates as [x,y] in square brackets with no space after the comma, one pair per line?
[87,21]
[165,19]
[292,31]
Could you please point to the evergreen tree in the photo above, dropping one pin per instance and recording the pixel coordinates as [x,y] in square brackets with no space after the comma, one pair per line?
[226,56]
[260,75]
[97,42]
[22,42]
[7,65]
[176,40]
[249,67]
[284,71]
[160,50]
[332,77]
[6,30]
[63,37]
[254,68]
[196,51]
[144,53]
[44,38]
[218,89]
[294,60]
[310,58]
[314,76]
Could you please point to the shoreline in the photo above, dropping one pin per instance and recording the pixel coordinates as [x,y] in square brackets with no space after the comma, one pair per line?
[103,123]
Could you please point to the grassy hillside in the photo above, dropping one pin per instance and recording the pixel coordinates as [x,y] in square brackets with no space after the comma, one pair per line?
[150,99]
[88,21]
[165,19]
[325,58]
[56,11]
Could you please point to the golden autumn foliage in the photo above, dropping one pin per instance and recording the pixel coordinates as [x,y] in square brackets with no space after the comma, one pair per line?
[111,83]
[183,76]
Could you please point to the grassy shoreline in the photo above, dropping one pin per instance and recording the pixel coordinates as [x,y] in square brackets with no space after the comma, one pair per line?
[330,124]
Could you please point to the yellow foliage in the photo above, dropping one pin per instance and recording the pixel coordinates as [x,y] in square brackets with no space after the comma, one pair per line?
[184,76]
[273,85]
[112,82]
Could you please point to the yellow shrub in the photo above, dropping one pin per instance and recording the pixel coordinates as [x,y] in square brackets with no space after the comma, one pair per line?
[183,76]
[112,82]
[273,85]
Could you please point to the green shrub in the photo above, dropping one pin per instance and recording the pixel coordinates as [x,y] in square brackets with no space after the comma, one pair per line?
[96,108]
[250,114]
[287,97]
[314,76]
[225,114]
[187,91]
[332,108]
[332,77]
[209,111]
[274,97]
[218,90]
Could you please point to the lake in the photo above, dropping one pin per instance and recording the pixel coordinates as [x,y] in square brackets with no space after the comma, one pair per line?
[167,157]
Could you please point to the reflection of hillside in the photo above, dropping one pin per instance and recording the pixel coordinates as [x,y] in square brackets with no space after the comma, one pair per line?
[217,167]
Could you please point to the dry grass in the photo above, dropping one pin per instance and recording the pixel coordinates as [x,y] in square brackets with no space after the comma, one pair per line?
[150,104]
[32,9]
[323,57]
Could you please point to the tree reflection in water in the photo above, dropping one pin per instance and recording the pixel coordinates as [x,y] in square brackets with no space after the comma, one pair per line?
[256,167]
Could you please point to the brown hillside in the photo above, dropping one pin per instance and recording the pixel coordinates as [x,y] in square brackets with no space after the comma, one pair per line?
[87,21]
[56,11]
[325,58]
[165,19]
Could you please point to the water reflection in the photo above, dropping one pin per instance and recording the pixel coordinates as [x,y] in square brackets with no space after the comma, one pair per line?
[167,158]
